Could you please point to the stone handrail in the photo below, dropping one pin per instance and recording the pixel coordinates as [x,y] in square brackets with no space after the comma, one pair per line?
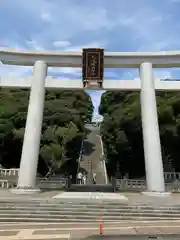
[52,184]
[41,183]
[9,172]
[103,161]
[171,175]
[80,153]
[6,184]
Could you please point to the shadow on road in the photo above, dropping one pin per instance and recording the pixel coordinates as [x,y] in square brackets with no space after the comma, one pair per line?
[89,148]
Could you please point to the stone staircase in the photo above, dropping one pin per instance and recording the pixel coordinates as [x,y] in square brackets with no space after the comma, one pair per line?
[91,188]
[92,153]
[69,211]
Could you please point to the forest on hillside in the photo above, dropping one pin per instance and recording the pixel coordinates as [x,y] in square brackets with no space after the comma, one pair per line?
[122,132]
[65,115]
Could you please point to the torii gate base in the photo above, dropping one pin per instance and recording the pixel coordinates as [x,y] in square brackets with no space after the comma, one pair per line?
[157,194]
[146,85]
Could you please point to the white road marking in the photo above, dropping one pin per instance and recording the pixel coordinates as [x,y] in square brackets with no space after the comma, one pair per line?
[25,232]
[63,236]
[24,235]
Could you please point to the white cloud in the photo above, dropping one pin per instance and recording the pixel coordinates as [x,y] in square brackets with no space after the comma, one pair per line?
[93,20]
[77,48]
[110,74]
[157,73]
[130,74]
[61,44]
[162,73]
[31,44]
[14,71]
[76,72]
[46,16]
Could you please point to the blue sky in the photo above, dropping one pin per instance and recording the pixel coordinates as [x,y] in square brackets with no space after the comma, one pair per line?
[70,25]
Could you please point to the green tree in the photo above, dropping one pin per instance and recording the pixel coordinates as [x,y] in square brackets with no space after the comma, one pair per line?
[65,114]
[121,131]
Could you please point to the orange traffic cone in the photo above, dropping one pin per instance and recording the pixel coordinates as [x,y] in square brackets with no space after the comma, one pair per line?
[100,226]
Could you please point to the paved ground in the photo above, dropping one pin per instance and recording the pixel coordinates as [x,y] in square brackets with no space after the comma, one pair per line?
[5,193]
[129,197]
[91,195]
[84,231]
[174,198]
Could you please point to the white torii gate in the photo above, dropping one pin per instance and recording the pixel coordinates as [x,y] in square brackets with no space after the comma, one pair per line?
[39,81]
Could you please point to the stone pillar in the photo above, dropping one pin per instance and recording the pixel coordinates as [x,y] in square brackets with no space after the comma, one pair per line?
[150,128]
[32,135]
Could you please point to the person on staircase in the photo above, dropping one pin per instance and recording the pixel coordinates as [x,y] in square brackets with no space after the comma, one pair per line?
[69,181]
[84,178]
[80,176]
[94,178]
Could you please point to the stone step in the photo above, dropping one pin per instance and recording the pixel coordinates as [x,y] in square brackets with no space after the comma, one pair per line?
[91,188]
[93,209]
[87,207]
[89,202]
[92,204]
[24,219]
[87,211]
[83,198]
[82,213]
[78,201]
[73,211]
[74,203]
[47,211]
[86,216]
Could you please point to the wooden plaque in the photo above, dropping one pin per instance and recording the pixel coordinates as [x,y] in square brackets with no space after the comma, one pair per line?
[93,64]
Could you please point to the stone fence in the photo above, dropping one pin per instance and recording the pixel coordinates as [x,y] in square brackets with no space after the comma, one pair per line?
[9,172]
[140,185]
[8,179]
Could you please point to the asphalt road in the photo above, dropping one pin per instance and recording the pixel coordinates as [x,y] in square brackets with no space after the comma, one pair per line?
[127,237]
[90,231]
